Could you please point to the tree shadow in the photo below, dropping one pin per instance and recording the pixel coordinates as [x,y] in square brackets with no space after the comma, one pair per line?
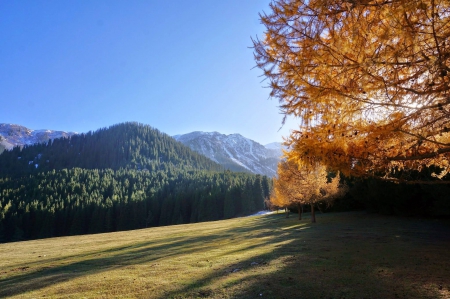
[356,256]
[344,255]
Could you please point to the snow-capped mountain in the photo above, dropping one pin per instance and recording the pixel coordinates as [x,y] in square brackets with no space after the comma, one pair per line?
[15,135]
[234,151]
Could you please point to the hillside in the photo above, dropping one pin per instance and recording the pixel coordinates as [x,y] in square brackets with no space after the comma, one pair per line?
[351,255]
[234,151]
[125,177]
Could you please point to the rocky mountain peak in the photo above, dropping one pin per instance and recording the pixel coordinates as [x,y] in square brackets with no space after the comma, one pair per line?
[12,135]
[234,151]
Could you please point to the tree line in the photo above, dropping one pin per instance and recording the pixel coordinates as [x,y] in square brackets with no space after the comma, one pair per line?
[80,201]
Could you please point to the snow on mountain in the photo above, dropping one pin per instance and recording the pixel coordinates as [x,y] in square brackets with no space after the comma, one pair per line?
[15,135]
[234,151]
[274,145]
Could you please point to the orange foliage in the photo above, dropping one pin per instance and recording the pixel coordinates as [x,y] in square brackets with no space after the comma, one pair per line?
[369,79]
[299,184]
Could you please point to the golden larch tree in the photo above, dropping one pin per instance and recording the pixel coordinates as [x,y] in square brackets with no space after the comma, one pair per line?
[287,190]
[369,79]
[298,184]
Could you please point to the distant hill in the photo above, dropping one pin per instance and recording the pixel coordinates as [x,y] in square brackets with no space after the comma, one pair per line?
[128,145]
[235,152]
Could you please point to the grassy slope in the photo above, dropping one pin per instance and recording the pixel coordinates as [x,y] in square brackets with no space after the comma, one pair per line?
[344,255]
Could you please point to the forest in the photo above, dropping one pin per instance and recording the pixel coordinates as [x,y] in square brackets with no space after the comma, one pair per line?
[126,177]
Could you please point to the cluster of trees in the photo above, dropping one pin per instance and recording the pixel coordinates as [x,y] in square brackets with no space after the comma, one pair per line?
[298,187]
[370,81]
[391,198]
[80,201]
[298,184]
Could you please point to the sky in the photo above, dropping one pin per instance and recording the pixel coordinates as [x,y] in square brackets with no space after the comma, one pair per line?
[178,66]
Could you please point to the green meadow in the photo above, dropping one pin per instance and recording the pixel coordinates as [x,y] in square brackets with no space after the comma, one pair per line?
[343,255]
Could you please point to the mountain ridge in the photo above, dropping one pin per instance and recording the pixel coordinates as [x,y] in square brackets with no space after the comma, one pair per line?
[233,151]
[12,135]
[126,145]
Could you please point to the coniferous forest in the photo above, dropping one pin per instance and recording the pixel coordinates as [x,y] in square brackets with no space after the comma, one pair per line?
[128,176]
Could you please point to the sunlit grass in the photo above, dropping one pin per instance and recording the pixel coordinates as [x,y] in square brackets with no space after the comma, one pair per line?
[344,255]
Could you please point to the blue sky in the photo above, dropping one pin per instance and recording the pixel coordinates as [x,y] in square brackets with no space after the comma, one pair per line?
[179,66]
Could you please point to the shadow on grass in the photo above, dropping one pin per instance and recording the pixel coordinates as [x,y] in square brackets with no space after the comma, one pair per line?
[37,275]
[353,255]
[344,255]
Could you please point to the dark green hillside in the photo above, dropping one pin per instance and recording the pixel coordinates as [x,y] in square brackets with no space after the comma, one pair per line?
[126,177]
[127,145]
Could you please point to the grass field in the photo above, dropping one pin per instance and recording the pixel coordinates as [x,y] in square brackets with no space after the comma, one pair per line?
[344,255]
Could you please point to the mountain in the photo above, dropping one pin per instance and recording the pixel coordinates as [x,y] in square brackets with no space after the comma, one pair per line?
[234,151]
[15,135]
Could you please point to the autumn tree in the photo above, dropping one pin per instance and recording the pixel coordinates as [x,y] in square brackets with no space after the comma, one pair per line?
[369,80]
[280,196]
[289,187]
[298,184]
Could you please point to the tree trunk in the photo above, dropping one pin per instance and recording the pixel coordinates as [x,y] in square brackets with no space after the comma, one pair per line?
[313,214]
[300,211]
[287,212]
